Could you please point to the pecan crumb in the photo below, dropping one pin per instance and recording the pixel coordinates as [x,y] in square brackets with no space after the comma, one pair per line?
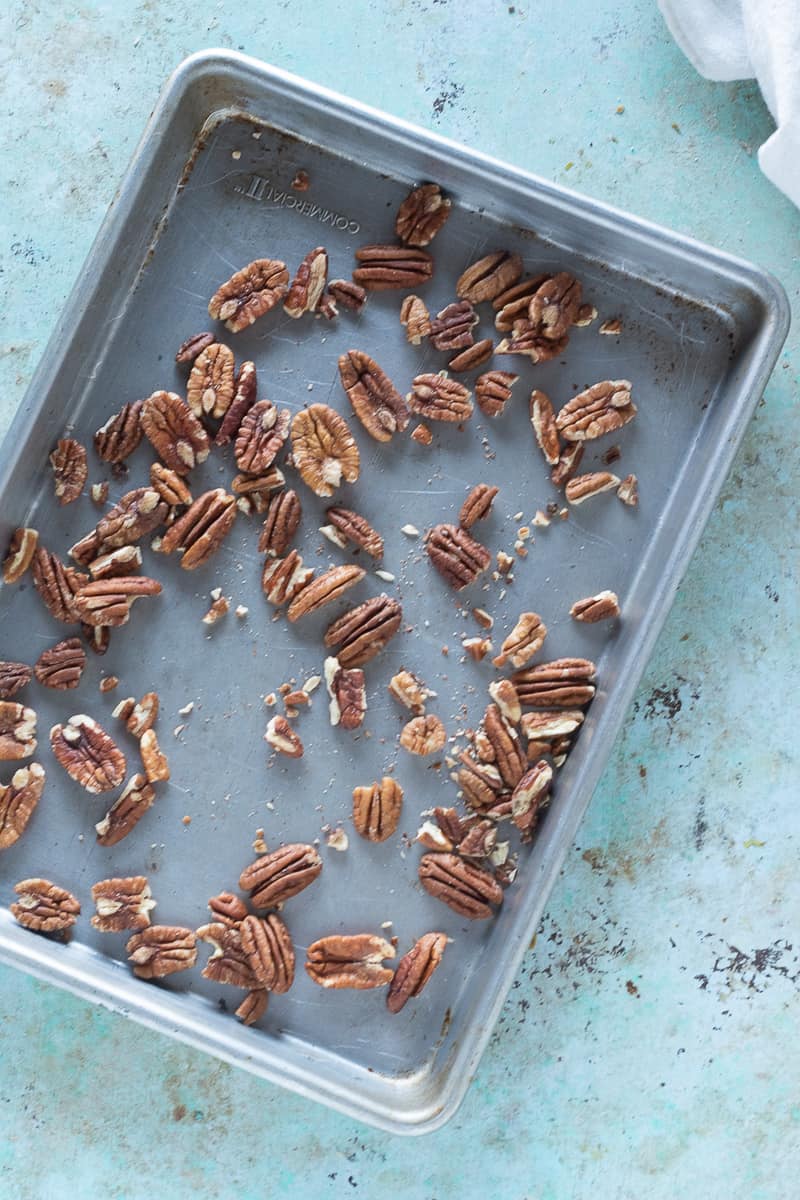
[217,610]
[337,839]
[108,683]
[628,491]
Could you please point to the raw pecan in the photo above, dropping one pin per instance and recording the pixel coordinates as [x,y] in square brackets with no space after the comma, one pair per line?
[467,889]
[227,908]
[125,560]
[423,735]
[439,398]
[376,809]
[201,530]
[452,328]
[481,783]
[280,524]
[44,906]
[253,1006]
[602,607]
[87,549]
[18,799]
[229,963]
[410,691]
[415,969]
[284,578]
[270,953]
[514,302]
[562,683]
[161,950]
[543,420]
[350,961]
[522,643]
[477,505]
[244,397]
[118,438]
[583,487]
[457,557]
[601,409]
[57,585]
[126,811]
[278,876]
[421,215]
[88,754]
[70,470]
[384,267]
[19,556]
[489,276]
[505,697]
[283,738]
[493,391]
[526,338]
[17,731]
[249,294]
[323,449]
[362,632]
[347,691]
[350,294]
[473,357]
[628,490]
[567,464]
[209,391]
[13,677]
[135,514]
[261,436]
[308,284]
[374,398]
[479,840]
[356,529]
[508,756]
[326,588]
[107,602]
[98,637]
[174,432]
[154,761]
[549,725]
[416,319]
[62,665]
[173,490]
[122,904]
[193,346]
[555,305]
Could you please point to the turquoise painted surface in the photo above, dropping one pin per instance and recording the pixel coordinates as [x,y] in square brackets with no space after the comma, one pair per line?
[648,1047]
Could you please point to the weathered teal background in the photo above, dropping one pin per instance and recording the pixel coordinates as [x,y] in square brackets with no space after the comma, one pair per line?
[649,1047]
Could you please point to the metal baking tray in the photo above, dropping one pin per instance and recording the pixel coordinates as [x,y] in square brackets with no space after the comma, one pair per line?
[209,188]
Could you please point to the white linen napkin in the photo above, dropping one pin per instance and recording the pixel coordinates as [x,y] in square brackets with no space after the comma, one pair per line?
[742,39]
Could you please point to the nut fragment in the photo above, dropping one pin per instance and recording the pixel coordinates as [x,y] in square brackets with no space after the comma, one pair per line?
[249,294]
[602,607]
[19,555]
[515,300]
[421,215]
[126,811]
[173,490]
[229,963]
[611,327]
[346,688]
[473,357]
[108,683]
[261,436]
[174,432]
[439,398]
[124,560]
[161,950]
[118,438]
[384,267]
[227,909]
[489,276]
[362,632]
[456,555]
[452,328]
[415,969]
[602,408]
[562,683]
[70,470]
[522,643]
[549,725]
[57,585]
[44,906]
[530,796]
[18,799]
[476,647]
[356,529]
[326,588]
[479,840]
[283,738]
[423,735]
[244,397]
[628,491]
[154,761]
[135,514]
[308,284]
[543,420]
[107,602]
[467,889]
[13,677]
[88,754]
[347,293]
[583,487]
[480,782]
[276,877]
[98,637]
[493,391]
[477,505]
[209,391]
[416,319]
[410,691]
[99,492]
[282,579]
[374,398]
[350,961]
[505,697]
[17,731]
[555,305]
[323,449]
[258,488]
[194,345]
[280,524]
[62,665]
[270,953]
[122,904]
[568,463]
[422,435]
[202,529]
[253,1006]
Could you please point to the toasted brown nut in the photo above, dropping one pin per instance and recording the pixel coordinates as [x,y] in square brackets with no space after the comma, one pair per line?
[280,524]
[410,691]
[415,969]
[628,491]
[602,607]
[326,588]
[124,560]
[555,305]
[376,809]
[374,398]
[507,754]
[479,840]
[505,697]
[57,585]
[88,754]
[261,436]
[477,505]
[62,665]
[276,877]
[423,735]
[467,889]
[174,432]
[562,683]
[384,267]
[356,529]
[268,945]
[365,630]
[18,799]
[416,319]
[122,904]
[44,906]
[253,1006]
[227,909]
[583,487]
[458,558]
[346,688]
[602,408]
[489,276]
[17,731]
[258,488]
[202,529]
[522,643]
[473,357]
[196,344]
[13,677]
[308,284]
[249,293]
[530,796]
[229,963]
[135,514]
[118,438]
[244,397]
[350,295]
[173,490]
[70,470]
[543,420]
[154,761]
[98,637]
[350,961]
[283,738]
[452,328]
[161,950]
[19,556]
[323,449]
[209,391]
[521,293]
[493,391]
[568,463]
[126,811]
[107,602]
[549,725]
[422,435]
[284,578]
[480,782]
[421,215]
[528,339]
[439,398]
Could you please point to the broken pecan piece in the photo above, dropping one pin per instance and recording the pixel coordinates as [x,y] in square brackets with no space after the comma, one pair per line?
[122,904]
[415,969]
[347,691]
[19,556]
[554,306]
[107,602]
[201,530]
[323,449]
[154,761]
[451,329]
[410,691]
[44,907]
[549,725]
[423,735]
[473,357]
[17,731]
[513,303]
[209,391]
[350,961]
[98,637]
[126,811]
[174,432]
[467,889]
[489,276]
[88,754]
[374,398]
[227,908]
[493,391]
[562,683]
[161,950]
[118,438]
[567,464]
[350,294]
[62,665]
[249,293]
[278,876]
[87,549]
[13,677]
[124,560]
[356,529]
[583,487]
[362,633]
[326,588]
[480,782]
[253,1006]
[526,338]
[135,514]
[602,408]
[522,643]
[173,490]
[57,585]
[283,738]
[505,697]
[308,284]
[628,490]
[416,319]
[477,505]
[376,809]
[439,398]
[456,555]
[268,945]
[543,420]
[530,796]
[194,345]
[280,524]
[70,470]
[421,215]
[229,963]
[244,397]
[18,799]
[479,840]
[384,267]
[284,578]
[602,607]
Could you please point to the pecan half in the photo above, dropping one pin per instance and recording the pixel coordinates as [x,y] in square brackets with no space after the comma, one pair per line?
[522,643]
[88,754]
[602,408]
[467,889]
[57,585]
[229,963]
[356,529]
[249,294]
[308,284]
[62,665]
[70,470]
[421,215]
[628,490]
[549,725]
[415,969]
[568,463]
[122,904]
[481,783]
[261,436]
[173,490]
[526,338]
[124,560]
[374,398]
[270,953]
[376,809]
[107,602]
[18,799]
[477,505]
[562,683]
[473,357]
[602,607]
[126,811]
[346,688]
[347,293]
[513,303]
[244,397]
[326,588]
[283,738]
[227,908]
[384,267]
[410,691]
[489,276]
[323,449]
[161,950]
[493,391]
[457,557]
[174,432]
[118,438]
[452,328]
[202,529]
[508,755]
[416,319]
[439,398]
[423,735]
[350,961]
[44,906]
[17,731]
[13,677]
[284,578]
[543,420]
[253,1006]
[278,876]
[555,305]
[194,345]
[280,524]
[362,633]
[209,391]
[87,549]
[19,555]
[530,796]
[135,514]
[154,761]
[583,487]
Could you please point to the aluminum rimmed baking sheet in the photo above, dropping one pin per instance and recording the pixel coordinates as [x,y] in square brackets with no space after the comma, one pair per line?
[209,189]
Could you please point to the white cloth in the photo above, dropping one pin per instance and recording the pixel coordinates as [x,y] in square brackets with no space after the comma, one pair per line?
[742,39]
